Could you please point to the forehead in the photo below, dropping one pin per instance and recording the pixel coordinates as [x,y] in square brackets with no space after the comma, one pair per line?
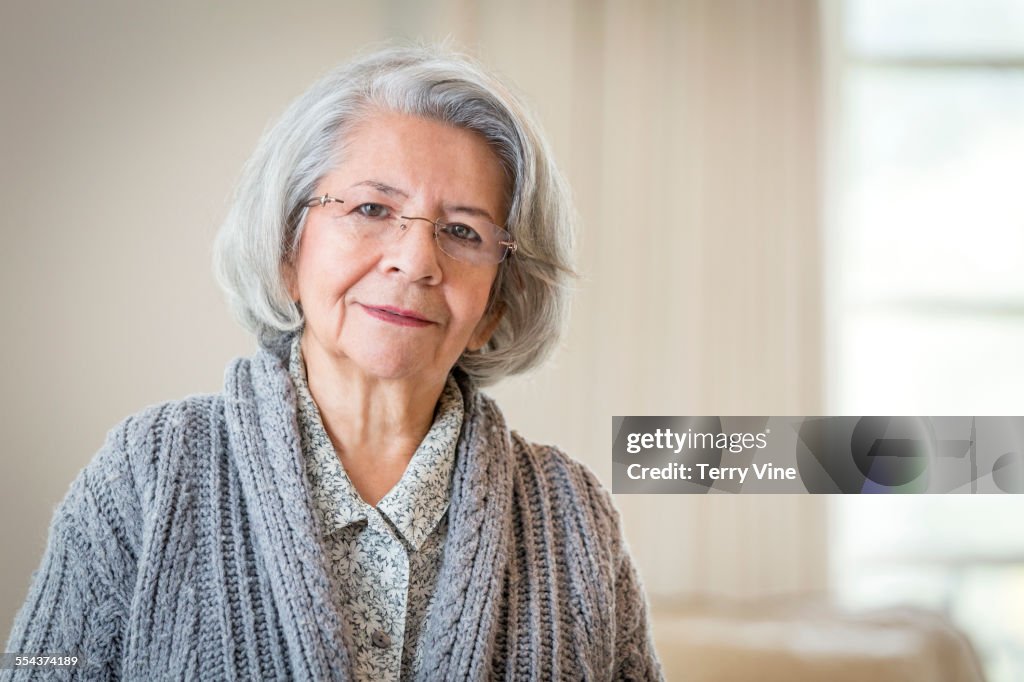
[428,160]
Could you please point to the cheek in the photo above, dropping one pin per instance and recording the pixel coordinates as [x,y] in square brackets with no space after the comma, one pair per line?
[473,304]
[325,271]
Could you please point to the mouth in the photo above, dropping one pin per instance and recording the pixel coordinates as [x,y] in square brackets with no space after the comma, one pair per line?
[396,316]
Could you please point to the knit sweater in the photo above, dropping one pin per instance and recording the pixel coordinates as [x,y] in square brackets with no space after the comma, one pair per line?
[189,549]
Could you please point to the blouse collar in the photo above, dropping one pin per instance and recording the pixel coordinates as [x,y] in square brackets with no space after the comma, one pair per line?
[421,497]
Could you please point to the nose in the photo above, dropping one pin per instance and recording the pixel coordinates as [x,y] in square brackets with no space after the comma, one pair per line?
[414,252]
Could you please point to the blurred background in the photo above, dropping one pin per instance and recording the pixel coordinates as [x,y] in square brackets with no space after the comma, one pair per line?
[788,207]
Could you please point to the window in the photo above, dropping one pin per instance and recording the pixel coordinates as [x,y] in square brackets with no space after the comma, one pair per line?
[927,260]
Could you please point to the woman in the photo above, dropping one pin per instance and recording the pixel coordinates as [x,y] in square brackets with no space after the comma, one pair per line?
[352,506]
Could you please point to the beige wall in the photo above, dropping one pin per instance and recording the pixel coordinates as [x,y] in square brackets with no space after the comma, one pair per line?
[688,130]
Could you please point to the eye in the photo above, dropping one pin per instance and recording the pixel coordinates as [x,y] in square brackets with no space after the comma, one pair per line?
[371,210]
[461,232]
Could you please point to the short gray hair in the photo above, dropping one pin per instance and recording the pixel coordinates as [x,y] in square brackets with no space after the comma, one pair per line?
[264,224]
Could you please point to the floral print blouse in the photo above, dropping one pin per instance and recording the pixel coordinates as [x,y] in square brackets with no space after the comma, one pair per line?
[383,560]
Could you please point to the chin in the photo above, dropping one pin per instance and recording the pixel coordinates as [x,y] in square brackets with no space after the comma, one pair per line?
[387,365]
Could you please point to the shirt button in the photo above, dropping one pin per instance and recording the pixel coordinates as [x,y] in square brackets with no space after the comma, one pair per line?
[380,639]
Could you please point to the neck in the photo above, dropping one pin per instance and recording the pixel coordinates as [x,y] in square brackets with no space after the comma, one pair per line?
[368,418]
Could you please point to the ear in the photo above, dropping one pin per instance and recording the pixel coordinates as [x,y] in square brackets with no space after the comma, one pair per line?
[485,328]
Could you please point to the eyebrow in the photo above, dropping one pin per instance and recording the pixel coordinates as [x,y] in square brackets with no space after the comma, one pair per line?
[382,187]
[391,190]
[469,210]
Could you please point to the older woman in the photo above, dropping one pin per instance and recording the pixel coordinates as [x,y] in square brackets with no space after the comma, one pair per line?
[352,506]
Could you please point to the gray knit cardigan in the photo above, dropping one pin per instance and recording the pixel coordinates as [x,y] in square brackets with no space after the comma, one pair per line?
[189,549]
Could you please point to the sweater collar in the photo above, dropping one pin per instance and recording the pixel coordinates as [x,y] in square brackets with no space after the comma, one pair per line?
[460,628]
[263,439]
[461,625]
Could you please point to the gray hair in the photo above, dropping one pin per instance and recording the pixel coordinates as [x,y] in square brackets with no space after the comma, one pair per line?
[264,224]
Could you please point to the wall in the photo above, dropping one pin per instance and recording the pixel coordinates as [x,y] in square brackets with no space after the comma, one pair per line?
[689,131]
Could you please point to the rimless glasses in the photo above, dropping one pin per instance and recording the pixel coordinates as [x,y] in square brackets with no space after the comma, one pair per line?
[473,240]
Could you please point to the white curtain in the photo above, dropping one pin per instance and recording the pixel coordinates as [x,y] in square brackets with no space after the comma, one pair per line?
[690,132]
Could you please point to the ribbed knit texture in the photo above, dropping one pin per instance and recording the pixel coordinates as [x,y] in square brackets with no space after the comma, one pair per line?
[189,549]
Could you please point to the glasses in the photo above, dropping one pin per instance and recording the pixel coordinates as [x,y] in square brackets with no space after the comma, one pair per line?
[474,240]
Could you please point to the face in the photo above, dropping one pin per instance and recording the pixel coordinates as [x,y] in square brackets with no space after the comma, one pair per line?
[401,309]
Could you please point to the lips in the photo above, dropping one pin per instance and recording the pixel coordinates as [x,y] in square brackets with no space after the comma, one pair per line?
[396,316]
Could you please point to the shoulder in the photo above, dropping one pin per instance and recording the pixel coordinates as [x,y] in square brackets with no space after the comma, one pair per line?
[547,471]
[571,489]
[166,447]
[106,506]
[154,421]
[158,427]
[152,444]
